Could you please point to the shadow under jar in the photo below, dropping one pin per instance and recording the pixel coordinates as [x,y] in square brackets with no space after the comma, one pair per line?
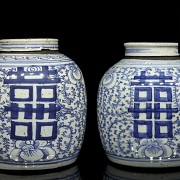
[42,105]
[139,106]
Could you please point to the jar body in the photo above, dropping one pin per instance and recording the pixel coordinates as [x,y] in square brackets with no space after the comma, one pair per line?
[138,112]
[42,110]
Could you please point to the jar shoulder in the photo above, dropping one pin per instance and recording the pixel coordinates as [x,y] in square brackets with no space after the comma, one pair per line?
[34,58]
[145,61]
[128,69]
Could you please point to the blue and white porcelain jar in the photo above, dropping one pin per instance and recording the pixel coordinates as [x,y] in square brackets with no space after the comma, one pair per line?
[139,106]
[42,105]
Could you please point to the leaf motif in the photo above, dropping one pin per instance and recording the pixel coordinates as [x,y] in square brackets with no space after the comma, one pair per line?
[153,149]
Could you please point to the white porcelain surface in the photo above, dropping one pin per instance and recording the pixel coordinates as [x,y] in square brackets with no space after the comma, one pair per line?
[151,49]
[9,45]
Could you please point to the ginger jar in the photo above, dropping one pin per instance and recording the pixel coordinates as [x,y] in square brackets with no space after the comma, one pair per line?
[42,105]
[139,106]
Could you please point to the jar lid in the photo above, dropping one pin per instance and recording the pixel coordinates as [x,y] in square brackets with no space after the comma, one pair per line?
[28,44]
[151,49]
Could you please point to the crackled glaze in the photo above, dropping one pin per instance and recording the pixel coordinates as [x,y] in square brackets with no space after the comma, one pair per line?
[138,112]
[42,110]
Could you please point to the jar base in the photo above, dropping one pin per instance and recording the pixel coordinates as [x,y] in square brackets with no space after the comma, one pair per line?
[6,166]
[145,163]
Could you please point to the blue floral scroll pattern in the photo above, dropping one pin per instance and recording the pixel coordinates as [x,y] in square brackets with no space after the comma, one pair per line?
[116,123]
[70,117]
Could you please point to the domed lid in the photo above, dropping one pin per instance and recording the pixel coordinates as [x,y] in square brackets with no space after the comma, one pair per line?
[151,49]
[28,44]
